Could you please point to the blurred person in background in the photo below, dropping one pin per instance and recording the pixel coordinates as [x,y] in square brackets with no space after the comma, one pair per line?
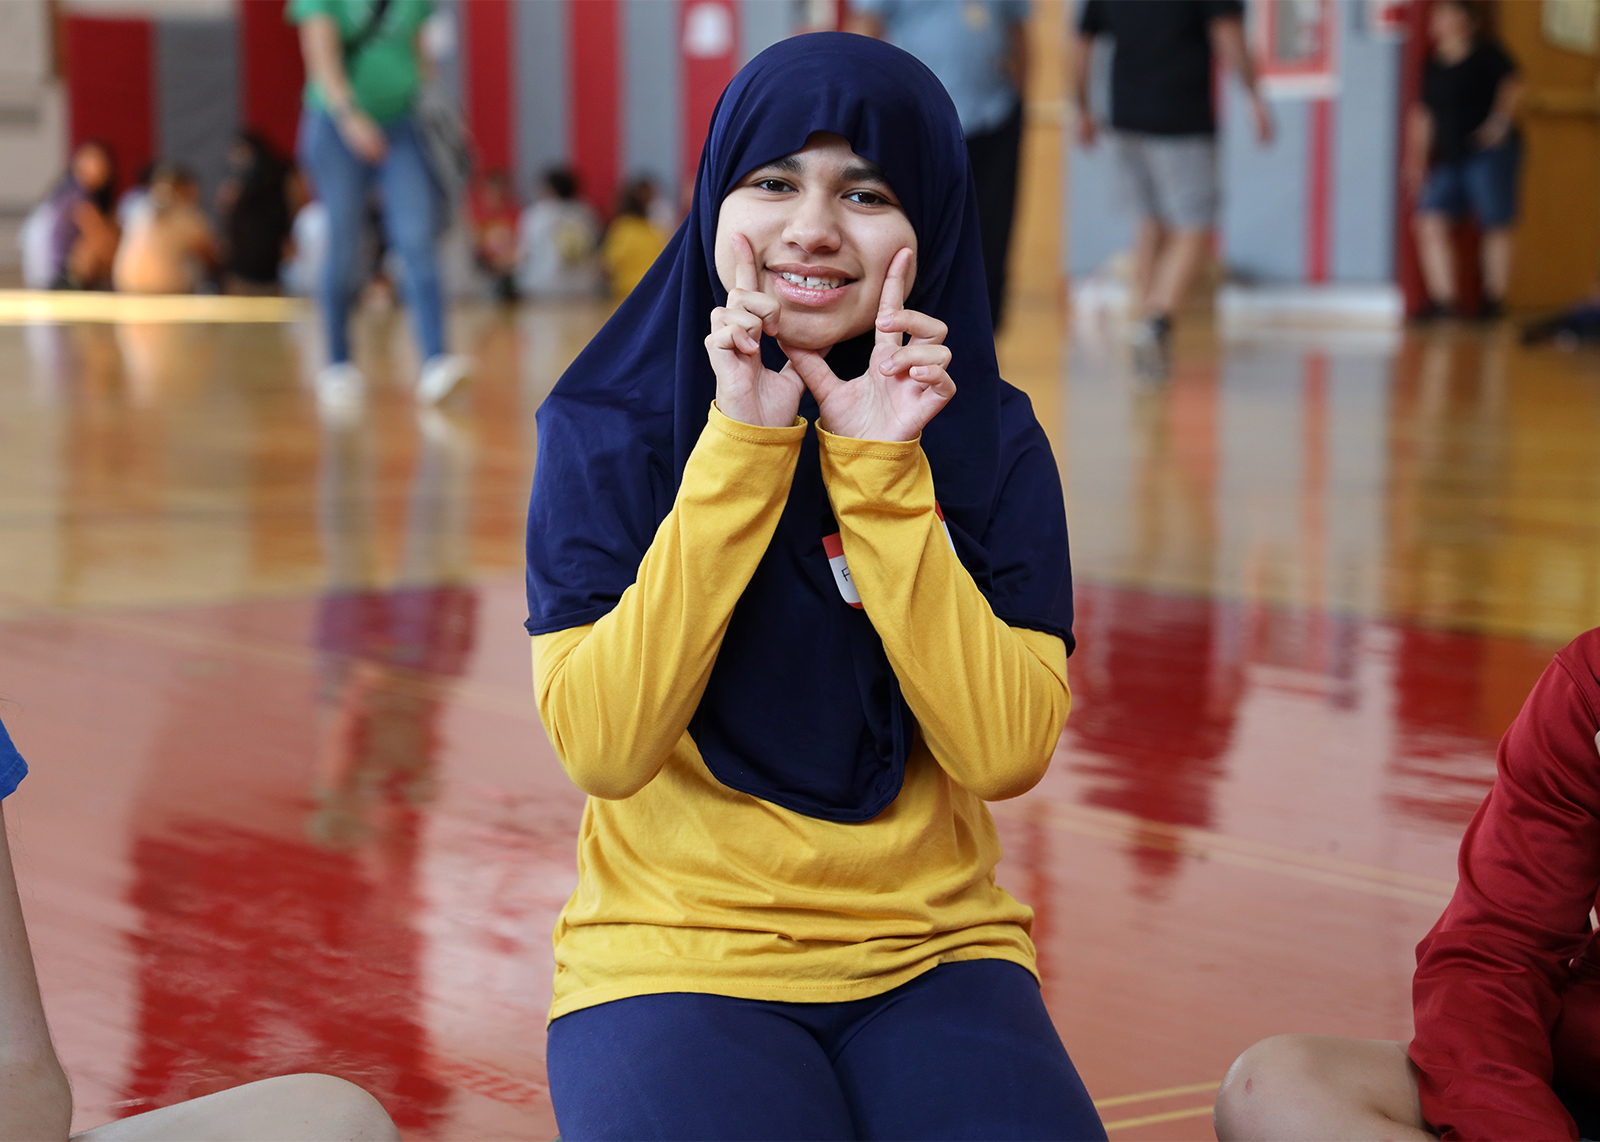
[363,75]
[979,51]
[168,245]
[1463,153]
[308,239]
[138,190]
[1166,137]
[557,241]
[633,241]
[494,209]
[253,202]
[36,1100]
[81,215]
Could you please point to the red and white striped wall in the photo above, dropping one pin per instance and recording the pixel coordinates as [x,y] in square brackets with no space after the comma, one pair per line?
[613,88]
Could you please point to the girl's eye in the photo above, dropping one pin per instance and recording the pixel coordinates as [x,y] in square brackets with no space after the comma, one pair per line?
[866,198]
[772,185]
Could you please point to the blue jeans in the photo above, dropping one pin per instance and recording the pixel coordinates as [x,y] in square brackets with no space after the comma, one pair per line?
[1485,183]
[341,180]
[965,1051]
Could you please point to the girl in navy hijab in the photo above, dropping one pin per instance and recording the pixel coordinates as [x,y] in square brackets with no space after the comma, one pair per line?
[799,592]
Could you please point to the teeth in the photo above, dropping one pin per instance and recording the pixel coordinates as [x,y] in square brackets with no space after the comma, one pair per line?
[810,283]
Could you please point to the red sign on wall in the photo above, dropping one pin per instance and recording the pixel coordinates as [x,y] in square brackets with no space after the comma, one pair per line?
[708,40]
[1298,43]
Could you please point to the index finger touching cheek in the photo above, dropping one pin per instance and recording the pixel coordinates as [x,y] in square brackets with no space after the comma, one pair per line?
[744,263]
[894,285]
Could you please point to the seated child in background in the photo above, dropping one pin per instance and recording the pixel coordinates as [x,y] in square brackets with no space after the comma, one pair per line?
[70,239]
[556,240]
[632,240]
[494,232]
[1506,994]
[253,203]
[168,246]
[36,1102]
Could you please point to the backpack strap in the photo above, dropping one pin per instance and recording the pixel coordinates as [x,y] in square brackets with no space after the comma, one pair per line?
[353,46]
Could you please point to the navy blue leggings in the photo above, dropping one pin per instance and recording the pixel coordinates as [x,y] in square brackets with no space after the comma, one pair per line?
[963,1051]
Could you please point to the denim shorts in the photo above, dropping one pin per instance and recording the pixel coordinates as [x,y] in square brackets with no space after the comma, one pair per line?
[1484,184]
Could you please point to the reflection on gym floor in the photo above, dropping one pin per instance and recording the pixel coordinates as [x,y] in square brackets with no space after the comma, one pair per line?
[293,808]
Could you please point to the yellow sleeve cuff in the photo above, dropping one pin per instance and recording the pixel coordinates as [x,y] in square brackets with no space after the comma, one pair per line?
[876,449]
[755,433]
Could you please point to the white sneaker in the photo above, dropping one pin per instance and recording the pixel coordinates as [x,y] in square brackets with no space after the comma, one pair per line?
[341,391]
[440,375]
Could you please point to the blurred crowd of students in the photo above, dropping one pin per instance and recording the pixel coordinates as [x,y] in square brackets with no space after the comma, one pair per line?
[556,246]
[266,234]
[157,236]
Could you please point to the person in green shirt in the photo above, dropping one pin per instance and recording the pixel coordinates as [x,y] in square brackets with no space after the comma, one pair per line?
[364,69]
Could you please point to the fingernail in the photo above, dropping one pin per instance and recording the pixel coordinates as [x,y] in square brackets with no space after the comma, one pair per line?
[920,372]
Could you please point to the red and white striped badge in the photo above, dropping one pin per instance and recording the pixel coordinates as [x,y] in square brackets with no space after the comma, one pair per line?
[833,545]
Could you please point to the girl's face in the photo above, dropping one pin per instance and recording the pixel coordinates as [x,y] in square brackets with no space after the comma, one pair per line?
[824,226]
[90,167]
[1449,24]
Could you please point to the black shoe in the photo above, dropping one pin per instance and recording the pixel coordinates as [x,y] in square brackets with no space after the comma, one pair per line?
[1152,348]
[1491,309]
[1432,311]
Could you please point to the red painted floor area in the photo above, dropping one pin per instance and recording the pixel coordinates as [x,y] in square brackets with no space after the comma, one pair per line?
[329,834]
[292,807]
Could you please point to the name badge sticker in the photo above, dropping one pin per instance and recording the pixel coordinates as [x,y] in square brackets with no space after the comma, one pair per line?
[834,546]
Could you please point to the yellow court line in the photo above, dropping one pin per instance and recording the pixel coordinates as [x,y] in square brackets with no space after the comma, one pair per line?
[1152,1095]
[25,306]
[1203,845]
[1152,1119]
[462,691]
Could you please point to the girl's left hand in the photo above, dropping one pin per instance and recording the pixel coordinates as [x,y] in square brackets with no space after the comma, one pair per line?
[904,386]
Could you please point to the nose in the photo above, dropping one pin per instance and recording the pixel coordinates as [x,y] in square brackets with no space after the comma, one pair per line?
[813,225]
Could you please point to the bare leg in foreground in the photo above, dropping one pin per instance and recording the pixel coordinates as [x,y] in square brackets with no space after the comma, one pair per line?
[290,1108]
[1320,1087]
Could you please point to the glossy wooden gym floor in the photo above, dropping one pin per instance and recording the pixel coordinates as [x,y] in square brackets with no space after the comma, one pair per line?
[292,808]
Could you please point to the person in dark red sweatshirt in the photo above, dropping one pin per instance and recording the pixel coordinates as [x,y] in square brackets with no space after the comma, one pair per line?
[1506,996]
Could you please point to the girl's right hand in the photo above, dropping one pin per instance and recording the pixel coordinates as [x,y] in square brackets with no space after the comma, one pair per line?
[362,135]
[747,390]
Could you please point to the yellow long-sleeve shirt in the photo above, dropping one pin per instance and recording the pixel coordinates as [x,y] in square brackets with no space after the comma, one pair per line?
[685,884]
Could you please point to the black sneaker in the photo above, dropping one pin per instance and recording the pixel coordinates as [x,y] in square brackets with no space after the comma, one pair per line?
[1432,311]
[1152,347]
[1491,309]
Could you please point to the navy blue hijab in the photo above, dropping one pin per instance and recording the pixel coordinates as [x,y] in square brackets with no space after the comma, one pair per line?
[802,708]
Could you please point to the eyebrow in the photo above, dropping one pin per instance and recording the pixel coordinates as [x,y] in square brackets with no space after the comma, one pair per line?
[863,171]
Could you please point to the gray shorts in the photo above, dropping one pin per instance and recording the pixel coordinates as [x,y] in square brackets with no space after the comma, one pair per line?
[1171,178]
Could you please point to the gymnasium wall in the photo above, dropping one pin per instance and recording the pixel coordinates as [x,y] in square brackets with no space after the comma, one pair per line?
[612,87]
[1318,205]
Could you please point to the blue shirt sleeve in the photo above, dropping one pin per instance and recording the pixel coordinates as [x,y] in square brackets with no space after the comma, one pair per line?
[12,768]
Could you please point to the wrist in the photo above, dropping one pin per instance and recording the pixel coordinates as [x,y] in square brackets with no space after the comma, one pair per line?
[720,419]
[750,417]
